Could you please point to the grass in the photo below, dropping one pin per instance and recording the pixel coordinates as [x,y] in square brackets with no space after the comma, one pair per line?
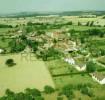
[53,96]
[98,90]
[101,60]
[72,79]
[59,67]
[83,28]
[28,73]
[4,43]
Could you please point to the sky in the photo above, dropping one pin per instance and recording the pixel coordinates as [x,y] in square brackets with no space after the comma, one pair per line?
[12,6]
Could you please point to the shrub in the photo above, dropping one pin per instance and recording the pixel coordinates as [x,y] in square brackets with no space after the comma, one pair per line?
[33,92]
[90,67]
[59,98]
[68,91]
[10,62]
[48,89]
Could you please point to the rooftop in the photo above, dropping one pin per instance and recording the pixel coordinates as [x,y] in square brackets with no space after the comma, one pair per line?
[99,76]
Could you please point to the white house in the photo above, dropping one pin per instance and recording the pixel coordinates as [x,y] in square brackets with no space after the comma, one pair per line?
[99,77]
[20,31]
[70,61]
[1,50]
[81,68]
[80,63]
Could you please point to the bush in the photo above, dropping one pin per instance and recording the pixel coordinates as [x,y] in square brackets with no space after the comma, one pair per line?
[59,98]
[33,92]
[87,91]
[39,98]
[10,62]
[84,90]
[30,94]
[17,46]
[90,67]
[8,92]
[48,89]
[68,91]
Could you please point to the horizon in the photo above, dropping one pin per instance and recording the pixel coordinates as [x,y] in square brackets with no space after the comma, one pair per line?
[18,6]
[49,12]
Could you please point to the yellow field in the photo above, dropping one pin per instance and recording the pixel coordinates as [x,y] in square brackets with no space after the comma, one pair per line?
[28,73]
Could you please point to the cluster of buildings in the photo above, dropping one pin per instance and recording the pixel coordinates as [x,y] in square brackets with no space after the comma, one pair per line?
[61,42]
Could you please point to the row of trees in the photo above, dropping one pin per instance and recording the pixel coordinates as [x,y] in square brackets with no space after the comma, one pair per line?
[85,89]
[28,94]
[5,26]
[35,94]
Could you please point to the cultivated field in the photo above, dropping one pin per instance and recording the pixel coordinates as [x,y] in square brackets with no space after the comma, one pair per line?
[28,73]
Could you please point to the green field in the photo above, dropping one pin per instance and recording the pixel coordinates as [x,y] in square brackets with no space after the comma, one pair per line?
[60,67]
[30,73]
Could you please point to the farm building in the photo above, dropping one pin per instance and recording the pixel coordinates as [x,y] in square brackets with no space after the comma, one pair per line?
[99,77]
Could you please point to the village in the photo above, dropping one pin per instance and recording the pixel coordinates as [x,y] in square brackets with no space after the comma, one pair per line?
[66,47]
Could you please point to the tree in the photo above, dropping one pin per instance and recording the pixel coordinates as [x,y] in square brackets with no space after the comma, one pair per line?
[87,24]
[40,32]
[8,92]
[96,32]
[48,89]
[17,45]
[69,23]
[79,24]
[68,91]
[10,62]
[84,90]
[29,29]
[23,37]
[33,92]
[92,23]
[30,94]
[90,67]
[39,98]
[33,45]
[59,98]
[87,91]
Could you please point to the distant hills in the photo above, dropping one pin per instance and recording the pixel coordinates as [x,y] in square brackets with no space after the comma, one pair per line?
[65,13]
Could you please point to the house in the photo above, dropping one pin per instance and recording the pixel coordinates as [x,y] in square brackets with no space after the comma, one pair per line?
[80,63]
[71,46]
[20,31]
[70,61]
[99,77]
[47,45]
[65,46]
[1,51]
[81,67]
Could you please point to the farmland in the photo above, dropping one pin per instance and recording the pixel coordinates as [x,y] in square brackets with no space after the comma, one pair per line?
[27,73]
[50,51]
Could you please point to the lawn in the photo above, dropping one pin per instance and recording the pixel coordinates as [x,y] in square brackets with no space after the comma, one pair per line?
[27,73]
[59,67]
